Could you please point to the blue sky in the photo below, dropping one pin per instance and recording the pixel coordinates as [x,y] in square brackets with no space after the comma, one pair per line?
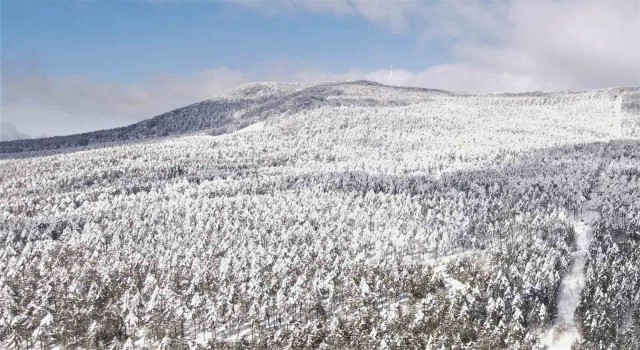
[127,41]
[75,66]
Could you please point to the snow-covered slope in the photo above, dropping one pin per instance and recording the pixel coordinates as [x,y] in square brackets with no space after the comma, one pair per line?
[228,112]
[342,216]
[255,102]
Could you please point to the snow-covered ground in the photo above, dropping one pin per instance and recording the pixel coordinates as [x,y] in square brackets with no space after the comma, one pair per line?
[564,332]
[320,217]
[253,127]
[451,283]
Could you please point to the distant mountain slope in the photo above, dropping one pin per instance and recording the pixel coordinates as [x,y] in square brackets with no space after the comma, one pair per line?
[254,102]
[214,113]
[233,110]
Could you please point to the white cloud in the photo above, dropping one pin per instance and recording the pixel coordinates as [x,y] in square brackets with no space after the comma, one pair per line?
[77,94]
[42,104]
[565,45]
[455,77]
[396,15]
[506,46]
[8,132]
[496,46]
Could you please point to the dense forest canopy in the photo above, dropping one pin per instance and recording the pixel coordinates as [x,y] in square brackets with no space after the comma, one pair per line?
[349,216]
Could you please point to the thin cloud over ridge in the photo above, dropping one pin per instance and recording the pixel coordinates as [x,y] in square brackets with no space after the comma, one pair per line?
[9,132]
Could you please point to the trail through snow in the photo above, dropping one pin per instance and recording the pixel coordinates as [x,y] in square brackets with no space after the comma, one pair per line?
[564,332]
[574,282]
[617,106]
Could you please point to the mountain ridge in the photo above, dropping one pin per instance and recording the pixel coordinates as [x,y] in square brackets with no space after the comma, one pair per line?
[253,102]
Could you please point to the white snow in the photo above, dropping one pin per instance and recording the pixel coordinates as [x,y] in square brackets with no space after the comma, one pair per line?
[451,283]
[564,333]
[331,153]
[561,338]
[253,127]
[230,334]
[203,338]
[573,283]
[618,115]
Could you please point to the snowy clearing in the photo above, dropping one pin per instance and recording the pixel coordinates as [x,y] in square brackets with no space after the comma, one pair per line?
[257,126]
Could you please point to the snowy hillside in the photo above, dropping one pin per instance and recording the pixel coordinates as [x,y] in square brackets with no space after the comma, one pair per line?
[334,216]
[226,113]
[254,102]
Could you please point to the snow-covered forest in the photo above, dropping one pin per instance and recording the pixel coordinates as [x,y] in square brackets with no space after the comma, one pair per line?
[346,216]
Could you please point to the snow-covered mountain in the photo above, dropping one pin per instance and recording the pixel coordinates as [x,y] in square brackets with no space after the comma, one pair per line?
[231,111]
[342,216]
[254,102]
